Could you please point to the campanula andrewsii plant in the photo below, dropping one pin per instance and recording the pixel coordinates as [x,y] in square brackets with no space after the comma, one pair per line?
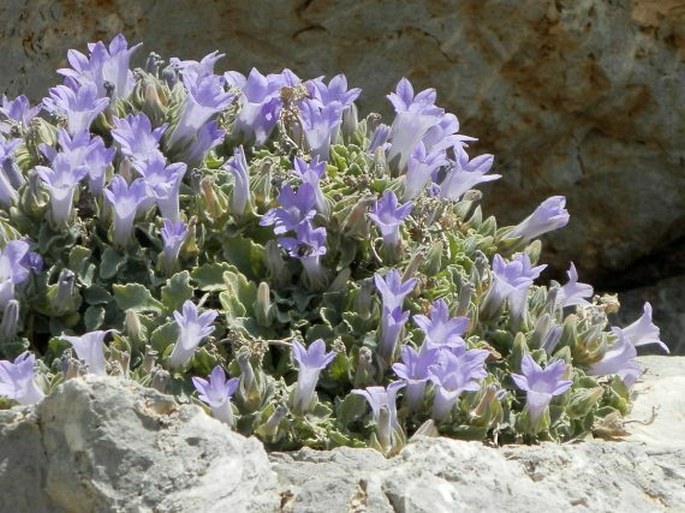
[314,276]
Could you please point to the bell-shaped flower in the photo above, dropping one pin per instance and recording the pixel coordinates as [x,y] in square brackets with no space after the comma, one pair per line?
[308,247]
[295,207]
[107,68]
[217,391]
[136,137]
[8,186]
[392,289]
[18,379]
[61,180]
[464,174]
[388,215]
[383,402]
[192,328]
[414,369]
[196,69]
[574,293]
[643,331]
[511,281]
[311,174]
[17,112]
[391,329]
[319,124]
[541,385]
[440,329]
[173,236]
[379,138]
[310,361]
[125,201]
[335,91]
[162,185]
[80,107]
[619,359]
[90,347]
[237,166]
[260,104]
[454,374]
[205,98]
[207,137]
[420,168]
[550,215]
[13,270]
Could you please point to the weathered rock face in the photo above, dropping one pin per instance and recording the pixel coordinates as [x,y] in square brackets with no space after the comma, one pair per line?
[108,445]
[575,97]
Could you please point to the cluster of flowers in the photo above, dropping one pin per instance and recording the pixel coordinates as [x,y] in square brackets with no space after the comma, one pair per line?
[335,260]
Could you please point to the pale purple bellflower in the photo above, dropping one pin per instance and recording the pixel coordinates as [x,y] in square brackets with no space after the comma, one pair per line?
[311,173]
[162,185]
[414,369]
[334,92]
[643,331]
[295,207]
[618,359]
[550,215]
[8,183]
[18,379]
[310,361]
[13,270]
[393,318]
[541,385]
[237,166]
[61,180]
[420,167]
[193,327]
[174,234]
[80,106]
[441,329]
[308,246]
[260,104]
[454,373]
[383,405]
[90,347]
[216,392]
[18,112]
[125,201]
[464,174]
[319,124]
[574,293]
[107,68]
[207,137]
[392,289]
[136,137]
[388,215]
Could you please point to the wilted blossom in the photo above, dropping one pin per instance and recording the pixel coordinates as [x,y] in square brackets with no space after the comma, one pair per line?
[173,234]
[619,359]
[420,167]
[90,347]
[574,293]
[61,180]
[541,385]
[387,215]
[125,201]
[80,106]
[18,379]
[18,111]
[217,391]
[296,206]
[454,373]
[13,272]
[193,327]
[464,174]
[383,405]
[136,137]
[237,165]
[643,331]
[260,103]
[511,282]
[550,215]
[310,361]
[205,98]
[162,184]
[106,68]
[414,369]
[311,173]
[440,329]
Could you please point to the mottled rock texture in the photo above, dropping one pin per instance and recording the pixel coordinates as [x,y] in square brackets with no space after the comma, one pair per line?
[578,97]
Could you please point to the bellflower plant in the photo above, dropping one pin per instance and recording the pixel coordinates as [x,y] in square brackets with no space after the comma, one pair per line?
[264,198]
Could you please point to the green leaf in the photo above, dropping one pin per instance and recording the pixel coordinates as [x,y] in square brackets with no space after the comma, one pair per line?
[79,262]
[351,408]
[210,277]
[94,317]
[176,291]
[110,263]
[247,256]
[239,296]
[96,295]
[164,336]
[136,297]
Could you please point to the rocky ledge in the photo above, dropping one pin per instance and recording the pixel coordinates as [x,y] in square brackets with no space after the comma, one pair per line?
[108,445]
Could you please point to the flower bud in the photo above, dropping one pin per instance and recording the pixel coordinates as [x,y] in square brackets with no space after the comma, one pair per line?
[262,306]
[10,321]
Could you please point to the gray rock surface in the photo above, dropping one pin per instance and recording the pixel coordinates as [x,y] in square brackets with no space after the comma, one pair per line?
[576,97]
[107,445]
